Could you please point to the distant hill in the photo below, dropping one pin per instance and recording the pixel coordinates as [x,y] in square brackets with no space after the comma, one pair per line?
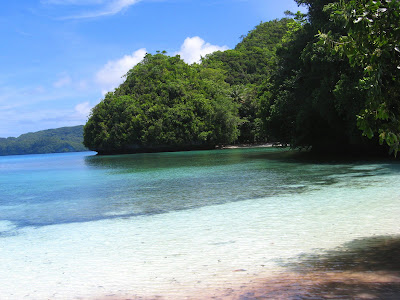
[59,140]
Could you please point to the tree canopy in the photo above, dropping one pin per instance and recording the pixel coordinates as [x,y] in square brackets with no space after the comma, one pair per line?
[322,98]
[246,68]
[310,100]
[328,79]
[372,45]
[164,104]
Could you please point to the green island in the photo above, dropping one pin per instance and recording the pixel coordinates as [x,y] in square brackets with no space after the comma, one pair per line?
[65,139]
[328,80]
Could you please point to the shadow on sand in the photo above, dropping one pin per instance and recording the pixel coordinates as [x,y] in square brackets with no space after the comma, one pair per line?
[366,268]
[381,253]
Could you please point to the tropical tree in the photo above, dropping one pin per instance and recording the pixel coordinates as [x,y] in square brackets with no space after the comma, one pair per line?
[372,44]
[315,97]
[164,104]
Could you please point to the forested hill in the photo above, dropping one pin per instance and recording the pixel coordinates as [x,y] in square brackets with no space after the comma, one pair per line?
[328,80]
[167,105]
[65,139]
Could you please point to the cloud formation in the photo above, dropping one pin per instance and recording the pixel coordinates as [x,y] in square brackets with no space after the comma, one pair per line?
[99,8]
[73,2]
[110,76]
[194,48]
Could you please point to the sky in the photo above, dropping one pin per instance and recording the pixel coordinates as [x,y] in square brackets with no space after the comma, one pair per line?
[58,58]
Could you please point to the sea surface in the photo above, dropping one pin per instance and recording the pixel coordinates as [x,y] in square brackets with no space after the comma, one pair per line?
[170,225]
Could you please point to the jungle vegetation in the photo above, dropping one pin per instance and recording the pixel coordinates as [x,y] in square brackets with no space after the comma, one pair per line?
[327,80]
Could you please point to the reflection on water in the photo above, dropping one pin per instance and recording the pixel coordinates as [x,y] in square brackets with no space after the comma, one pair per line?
[54,189]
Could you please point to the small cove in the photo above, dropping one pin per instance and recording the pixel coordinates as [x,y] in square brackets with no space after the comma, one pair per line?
[80,226]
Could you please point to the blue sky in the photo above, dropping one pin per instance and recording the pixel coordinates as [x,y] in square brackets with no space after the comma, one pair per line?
[59,57]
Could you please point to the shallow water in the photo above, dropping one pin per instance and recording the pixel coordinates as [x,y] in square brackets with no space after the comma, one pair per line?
[84,226]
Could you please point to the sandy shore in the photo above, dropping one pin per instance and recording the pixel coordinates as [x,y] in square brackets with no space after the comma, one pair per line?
[240,146]
[364,269]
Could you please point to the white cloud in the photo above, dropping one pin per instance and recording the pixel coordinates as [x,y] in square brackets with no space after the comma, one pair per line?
[117,6]
[194,48]
[62,81]
[73,2]
[110,76]
[99,8]
[83,109]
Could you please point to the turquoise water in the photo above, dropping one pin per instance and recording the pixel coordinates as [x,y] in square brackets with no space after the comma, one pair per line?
[79,225]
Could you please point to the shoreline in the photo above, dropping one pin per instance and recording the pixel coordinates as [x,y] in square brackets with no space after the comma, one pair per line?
[244,146]
[167,149]
[367,268]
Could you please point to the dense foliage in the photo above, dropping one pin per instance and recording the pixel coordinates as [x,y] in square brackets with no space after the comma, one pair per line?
[372,44]
[321,98]
[65,139]
[164,104]
[247,67]
[328,79]
[254,57]
[310,100]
